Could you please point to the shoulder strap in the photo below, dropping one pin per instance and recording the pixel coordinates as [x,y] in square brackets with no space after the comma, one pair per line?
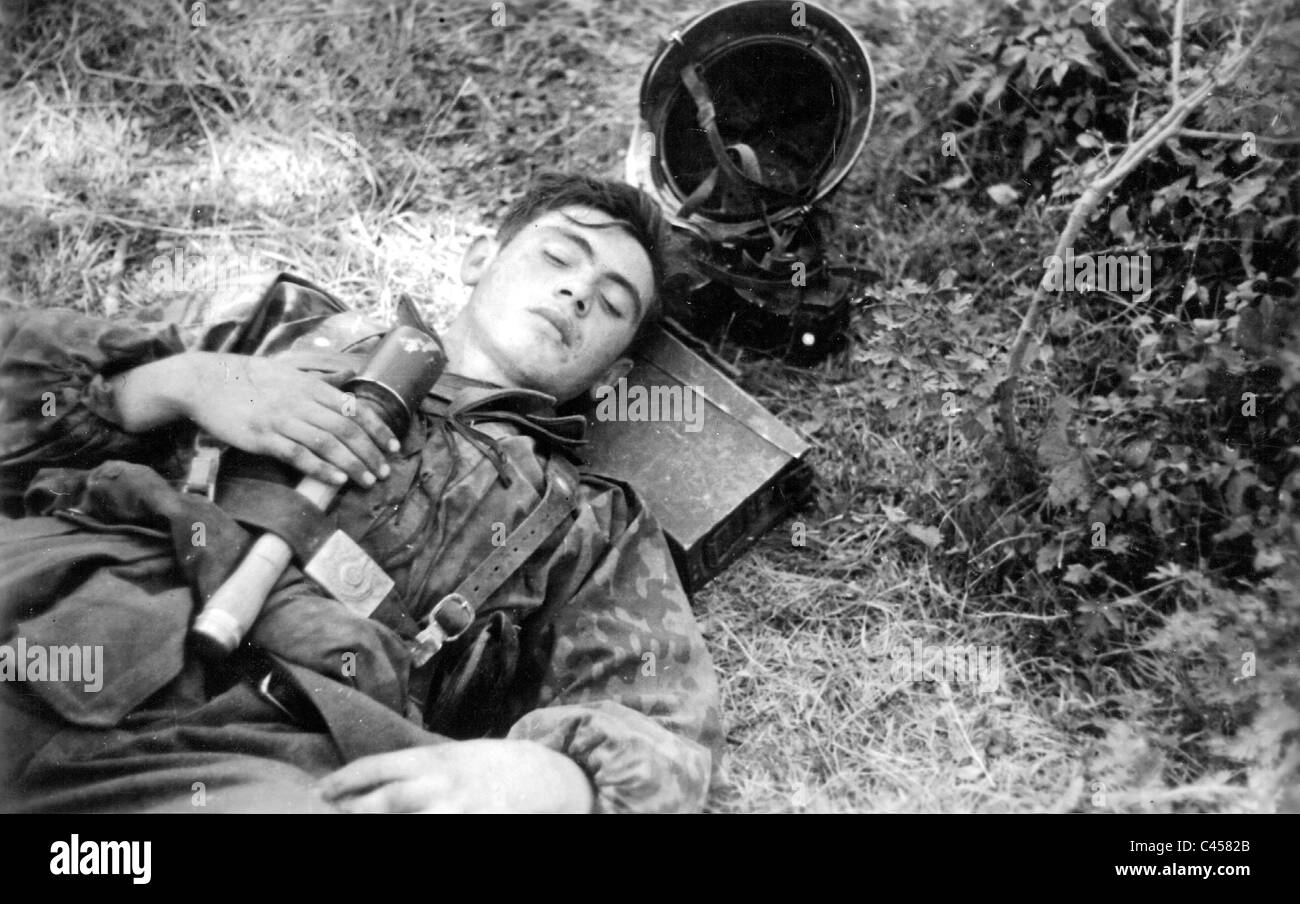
[452,615]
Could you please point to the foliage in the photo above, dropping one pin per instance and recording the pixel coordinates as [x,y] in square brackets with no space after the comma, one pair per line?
[1158,506]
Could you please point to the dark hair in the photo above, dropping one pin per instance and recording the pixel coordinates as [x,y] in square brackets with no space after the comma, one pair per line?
[632,209]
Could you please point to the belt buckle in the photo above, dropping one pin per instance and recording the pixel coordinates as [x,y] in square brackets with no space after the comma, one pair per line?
[202,476]
[348,574]
[429,641]
[458,600]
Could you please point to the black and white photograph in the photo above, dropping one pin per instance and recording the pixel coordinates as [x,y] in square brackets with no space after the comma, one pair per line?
[650,406]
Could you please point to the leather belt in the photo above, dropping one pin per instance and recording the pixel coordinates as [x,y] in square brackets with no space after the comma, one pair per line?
[452,615]
[276,508]
[327,555]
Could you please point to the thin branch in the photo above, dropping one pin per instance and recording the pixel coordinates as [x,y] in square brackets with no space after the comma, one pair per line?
[1109,40]
[1231,136]
[1176,64]
[1024,615]
[137,80]
[1160,132]
[218,173]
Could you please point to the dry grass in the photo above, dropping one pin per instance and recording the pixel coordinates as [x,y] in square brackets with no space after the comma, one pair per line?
[821,719]
[365,145]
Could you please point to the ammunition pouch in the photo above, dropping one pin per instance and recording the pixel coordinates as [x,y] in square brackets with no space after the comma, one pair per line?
[470,688]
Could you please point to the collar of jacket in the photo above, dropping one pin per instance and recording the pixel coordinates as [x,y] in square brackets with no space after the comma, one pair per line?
[470,401]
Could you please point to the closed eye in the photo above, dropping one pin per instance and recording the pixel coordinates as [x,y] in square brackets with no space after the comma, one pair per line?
[555,259]
[613,310]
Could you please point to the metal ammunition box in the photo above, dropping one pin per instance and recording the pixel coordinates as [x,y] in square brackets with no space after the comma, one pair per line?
[715,486]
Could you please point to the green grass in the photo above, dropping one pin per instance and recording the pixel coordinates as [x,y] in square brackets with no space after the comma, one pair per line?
[365,145]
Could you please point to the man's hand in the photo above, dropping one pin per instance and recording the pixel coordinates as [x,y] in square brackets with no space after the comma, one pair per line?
[481,776]
[261,406]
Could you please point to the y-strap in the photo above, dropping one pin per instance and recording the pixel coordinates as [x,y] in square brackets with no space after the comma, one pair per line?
[452,615]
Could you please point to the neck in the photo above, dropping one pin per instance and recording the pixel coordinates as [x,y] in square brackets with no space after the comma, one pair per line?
[468,360]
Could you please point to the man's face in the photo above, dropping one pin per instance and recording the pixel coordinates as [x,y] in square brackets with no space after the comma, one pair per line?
[556,306]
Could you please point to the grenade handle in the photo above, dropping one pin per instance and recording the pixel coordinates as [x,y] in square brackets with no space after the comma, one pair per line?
[404,367]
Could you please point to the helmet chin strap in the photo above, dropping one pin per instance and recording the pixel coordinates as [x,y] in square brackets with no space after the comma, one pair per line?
[745,180]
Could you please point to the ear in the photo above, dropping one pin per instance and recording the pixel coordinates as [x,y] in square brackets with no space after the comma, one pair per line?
[478,257]
[611,376]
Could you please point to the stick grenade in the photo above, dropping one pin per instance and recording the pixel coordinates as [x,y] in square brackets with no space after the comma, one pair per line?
[400,373]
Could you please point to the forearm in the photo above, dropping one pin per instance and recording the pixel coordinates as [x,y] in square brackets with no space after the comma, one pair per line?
[152,395]
[56,406]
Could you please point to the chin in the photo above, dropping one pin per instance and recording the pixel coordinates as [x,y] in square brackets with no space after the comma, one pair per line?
[546,383]
[536,375]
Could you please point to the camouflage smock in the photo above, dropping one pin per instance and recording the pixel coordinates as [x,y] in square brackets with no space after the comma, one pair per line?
[590,648]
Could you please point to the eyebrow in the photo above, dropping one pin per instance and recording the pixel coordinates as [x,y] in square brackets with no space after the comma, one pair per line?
[612,275]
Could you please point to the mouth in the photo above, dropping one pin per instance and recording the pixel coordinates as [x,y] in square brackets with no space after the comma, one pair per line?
[561,324]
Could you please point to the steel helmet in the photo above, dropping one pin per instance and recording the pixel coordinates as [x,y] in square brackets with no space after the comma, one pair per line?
[750,115]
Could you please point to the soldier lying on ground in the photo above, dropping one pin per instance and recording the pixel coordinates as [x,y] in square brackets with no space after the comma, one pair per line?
[583,683]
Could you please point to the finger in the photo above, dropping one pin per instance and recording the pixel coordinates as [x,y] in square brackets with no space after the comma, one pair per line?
[378,430]
[347,404]
[445,806]
[350,433]
[324,445]
[377,801]
[367,772]
[333,398]
[427,794]
[302,459]
[308,363]
[339,378]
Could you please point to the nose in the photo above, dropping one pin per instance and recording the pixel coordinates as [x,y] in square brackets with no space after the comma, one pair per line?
[576,293]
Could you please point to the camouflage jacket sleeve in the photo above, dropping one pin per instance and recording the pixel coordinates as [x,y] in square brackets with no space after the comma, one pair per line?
[630,693]
[55,405]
